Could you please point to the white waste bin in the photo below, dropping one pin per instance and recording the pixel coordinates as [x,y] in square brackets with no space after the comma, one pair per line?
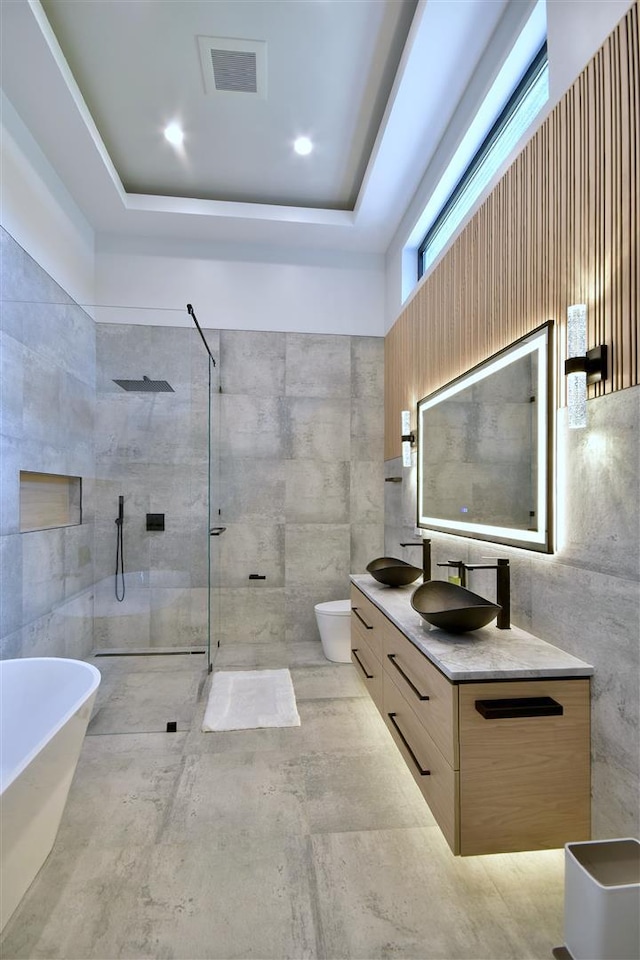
[602,899]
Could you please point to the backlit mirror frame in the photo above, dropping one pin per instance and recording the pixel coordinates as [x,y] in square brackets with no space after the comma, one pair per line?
[540,539]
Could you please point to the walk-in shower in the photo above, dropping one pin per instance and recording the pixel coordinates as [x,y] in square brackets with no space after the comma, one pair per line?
[157,396]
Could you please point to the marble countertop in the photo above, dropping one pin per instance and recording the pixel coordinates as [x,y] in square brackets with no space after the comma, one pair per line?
[484,654]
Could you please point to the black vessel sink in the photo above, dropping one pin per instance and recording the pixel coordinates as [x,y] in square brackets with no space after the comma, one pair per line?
[393,572]
[451,607]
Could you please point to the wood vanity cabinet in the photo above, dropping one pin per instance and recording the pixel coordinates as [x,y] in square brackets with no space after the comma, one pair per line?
[504,765]
[367,631]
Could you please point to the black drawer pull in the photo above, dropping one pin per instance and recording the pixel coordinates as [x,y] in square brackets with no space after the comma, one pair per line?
[421,771]
[369,676]
[420,696]
[367,625]
[514,707]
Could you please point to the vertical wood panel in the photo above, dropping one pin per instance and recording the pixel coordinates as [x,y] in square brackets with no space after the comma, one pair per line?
[560,227]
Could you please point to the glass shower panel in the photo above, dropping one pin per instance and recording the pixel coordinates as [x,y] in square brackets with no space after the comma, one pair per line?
[216,528]
[150,490]
[208,346]
[204,386]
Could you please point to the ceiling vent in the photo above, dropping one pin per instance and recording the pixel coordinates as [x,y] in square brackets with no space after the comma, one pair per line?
[233,66]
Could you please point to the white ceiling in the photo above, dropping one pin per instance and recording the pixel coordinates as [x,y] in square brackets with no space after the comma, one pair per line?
[374,83]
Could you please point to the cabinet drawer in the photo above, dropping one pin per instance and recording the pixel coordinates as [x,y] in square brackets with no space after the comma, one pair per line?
[367,618]
[361,637]
[433,698]
[369,668]
[436,778]
[524,765]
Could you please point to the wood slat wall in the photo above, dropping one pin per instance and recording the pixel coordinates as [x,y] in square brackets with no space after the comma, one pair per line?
[560,227]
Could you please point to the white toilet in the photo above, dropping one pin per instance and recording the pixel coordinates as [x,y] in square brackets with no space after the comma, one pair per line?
[334,624]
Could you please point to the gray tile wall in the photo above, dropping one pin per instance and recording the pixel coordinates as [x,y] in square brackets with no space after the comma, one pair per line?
[300,485]
[585,598]
[47,357]
[151,448]
[296,475]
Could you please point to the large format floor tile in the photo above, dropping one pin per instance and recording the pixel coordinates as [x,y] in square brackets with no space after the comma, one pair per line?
[327,682]
[297,842]
[370,792]
[119,800]
[228,898]
[236,794]
[145,702]
[400,893]
[252,656]
[78,904]
[103,746]
[341,726]
[140,694]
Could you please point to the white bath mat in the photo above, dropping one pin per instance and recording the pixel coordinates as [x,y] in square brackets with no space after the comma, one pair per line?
[248,699]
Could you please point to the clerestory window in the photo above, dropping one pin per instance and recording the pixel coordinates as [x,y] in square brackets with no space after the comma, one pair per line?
[524,104]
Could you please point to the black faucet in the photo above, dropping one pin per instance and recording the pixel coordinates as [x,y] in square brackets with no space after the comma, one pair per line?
[426,556]
[503,588]
[457,565]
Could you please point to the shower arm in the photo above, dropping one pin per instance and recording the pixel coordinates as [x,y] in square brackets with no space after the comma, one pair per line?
[191,313]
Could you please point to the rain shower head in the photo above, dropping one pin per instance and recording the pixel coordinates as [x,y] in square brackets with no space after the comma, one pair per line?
[146,385]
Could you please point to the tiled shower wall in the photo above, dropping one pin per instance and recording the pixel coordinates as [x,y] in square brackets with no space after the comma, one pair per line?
[296,472]
[296,480]
[584,598]
[151,449]
[47,349]
[301,481]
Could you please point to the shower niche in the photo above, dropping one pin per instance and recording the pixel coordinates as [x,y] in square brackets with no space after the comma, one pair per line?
[49,500]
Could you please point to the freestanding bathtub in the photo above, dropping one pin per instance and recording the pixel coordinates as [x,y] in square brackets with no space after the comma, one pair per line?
[45,706]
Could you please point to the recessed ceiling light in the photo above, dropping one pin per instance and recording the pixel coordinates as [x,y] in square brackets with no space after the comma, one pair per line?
[173,133]
[303,146]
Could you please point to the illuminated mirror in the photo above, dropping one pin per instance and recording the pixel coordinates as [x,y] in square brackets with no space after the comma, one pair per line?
[484,442]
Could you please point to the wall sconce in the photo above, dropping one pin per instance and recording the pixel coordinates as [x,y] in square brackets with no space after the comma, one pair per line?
[408,438]
[582,366]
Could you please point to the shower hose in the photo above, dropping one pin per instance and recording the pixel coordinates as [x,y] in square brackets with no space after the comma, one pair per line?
[119,585]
